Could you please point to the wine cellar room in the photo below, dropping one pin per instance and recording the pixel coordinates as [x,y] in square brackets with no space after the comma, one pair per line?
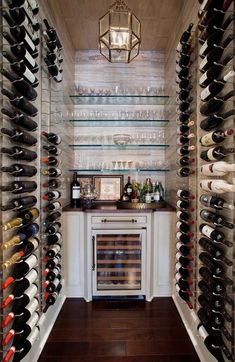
[117,181]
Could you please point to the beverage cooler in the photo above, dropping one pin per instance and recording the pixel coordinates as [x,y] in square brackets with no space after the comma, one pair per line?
[118,260]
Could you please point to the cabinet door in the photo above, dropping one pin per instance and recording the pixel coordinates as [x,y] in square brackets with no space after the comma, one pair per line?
[118,262]
[73,235]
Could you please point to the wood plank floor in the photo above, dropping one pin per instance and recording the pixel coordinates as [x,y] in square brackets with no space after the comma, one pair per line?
[123,331]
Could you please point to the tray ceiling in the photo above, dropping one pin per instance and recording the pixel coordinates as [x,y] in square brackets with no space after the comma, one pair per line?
[158,18]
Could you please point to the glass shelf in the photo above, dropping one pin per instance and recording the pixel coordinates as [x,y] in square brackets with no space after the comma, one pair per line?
[120,123]
[126,147]
[119,100]
[120,170]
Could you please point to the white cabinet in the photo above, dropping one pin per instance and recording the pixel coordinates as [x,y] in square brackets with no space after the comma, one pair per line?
[162,257]
[74,249]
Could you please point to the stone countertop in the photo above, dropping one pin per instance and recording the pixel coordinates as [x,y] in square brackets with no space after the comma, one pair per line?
[110,208]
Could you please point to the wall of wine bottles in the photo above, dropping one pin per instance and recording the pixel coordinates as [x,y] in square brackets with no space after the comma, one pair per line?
[206,283]
[33,122]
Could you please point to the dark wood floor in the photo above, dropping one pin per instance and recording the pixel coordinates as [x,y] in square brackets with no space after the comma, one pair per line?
[124,331]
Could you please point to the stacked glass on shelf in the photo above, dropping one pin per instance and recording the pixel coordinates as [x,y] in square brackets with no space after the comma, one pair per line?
[20,246]
[216,81]
[53,52]
[184,242]
[52,211]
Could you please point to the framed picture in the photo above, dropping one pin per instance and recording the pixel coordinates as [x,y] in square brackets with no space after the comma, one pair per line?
[109,187]
[85,180]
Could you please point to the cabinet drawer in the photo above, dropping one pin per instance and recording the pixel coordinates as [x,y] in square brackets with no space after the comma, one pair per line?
[131,220]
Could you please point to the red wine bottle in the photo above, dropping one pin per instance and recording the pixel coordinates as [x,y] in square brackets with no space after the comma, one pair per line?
[52,34]
[184,284]
[52,195]
[54,71]
[54,238]
[186,34]
[53,251]
[219,31]
[217,220]
[20,35]
[206,5]
[53,228]
[52,184]
[214,71]
[210,18]
[52,206]
[215,87]
[215,251]
[183,260]
[52,263]
[214,104]
[19,136]
[216,319]
[50,298]
[216,153]
[185,172]
[52,172]
[184,272]
[52,138]
[216,285]
[52,274]
[183,237]
[215,137]
[18,204]
[215,120]
[216,269]
[26,297]
[184,216]
[185,195]
[217,302]
[217,203]
[20,270]
[185,150]
[51,161]
[52,217]
[19,170]
[75,191]
[51,287]
[19,187]
[52,150]
[21,103]
[20,85]
[185,250]
[213,234]
[182,226]
[24,316]
[184,295]
[23,15]
[20,119]
[185,128]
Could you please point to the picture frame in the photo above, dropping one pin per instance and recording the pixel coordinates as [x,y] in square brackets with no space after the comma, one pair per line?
[85,179]
[109,187]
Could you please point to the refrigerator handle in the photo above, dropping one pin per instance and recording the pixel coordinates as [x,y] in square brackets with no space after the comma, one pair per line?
[93,253]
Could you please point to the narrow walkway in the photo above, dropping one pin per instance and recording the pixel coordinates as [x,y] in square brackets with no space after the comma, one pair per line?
[125,331]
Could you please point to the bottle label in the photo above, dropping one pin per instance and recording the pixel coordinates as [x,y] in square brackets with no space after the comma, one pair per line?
[32,306]
[202,332]
[33,336]
[207,230]
[56,283]
[178,214]
[157,196]
[178,235]
[207,140]
[210,154]
[203,78]
[29,75]
[29,42]
[178,224]
[29,58]
[31,291]
[32,276]
[148,199]
[203,48]
[177,288]
[55,248]
[129,190]
[177,277]
[31,261]
[205,93]
[178,266]
[76,192]
[34,241]
[33,320]
[203,63]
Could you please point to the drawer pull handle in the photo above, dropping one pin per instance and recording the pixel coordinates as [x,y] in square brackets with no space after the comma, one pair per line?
[126,221]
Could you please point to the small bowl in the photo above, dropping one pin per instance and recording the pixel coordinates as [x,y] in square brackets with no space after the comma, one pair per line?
[121,139]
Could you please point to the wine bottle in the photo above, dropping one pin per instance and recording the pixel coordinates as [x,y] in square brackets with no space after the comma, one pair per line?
[20,270]
[50,298]
[183,237]
[215,137]
[183,60]
[53,251]
[183,95]
[18,170]
[21,103]
[215,251]
[18,204]
[54,238]
[20,85]
[186,34]
[217,203]
[29,246]
[185,172]
[183,139]
[183,73]
[217,220]
[214,71]
[184,106]
[182,204]
[75,192]
[52,206]
[184,272]
[19,136]
[184,118]
[216,320]
[182,226]
[216,301]
[213,234]
[52,184]
[24,316]
[185,195]
[20,119]
[210,18]
[217,186]
[50,287]
[51,33]
[185,150]
[215,284]
[52,150]
[51,161]
[52,217]
[21,35]
[183,260]
[19,50]
[52,172]
[52,263]
[184,216]
[21,286]
[52,138]
[53,228]
[54,71]
[184,84]
[20,12]
[214,104]
[216,269]
[23,346]
[220,168]
[52,274]
[21,236]
[185,250]
[28,294]
[21,70]
[216,153]
[213,29]
[206,5]
[215,87]
[184,284]
[215,120]
[184,295]
[185,128]
[52,195]
[19,187]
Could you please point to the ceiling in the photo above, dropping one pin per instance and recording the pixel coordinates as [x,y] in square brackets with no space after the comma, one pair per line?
[81,18]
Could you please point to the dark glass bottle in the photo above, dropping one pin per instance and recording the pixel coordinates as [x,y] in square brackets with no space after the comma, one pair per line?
[215,120]
[52,137]
[21,103]
[213,234]
[19,136]
[216,153]
[217,203]
[215,251]
[20,204]
[75,189]
[18,170]
[20,119]
[217,220]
